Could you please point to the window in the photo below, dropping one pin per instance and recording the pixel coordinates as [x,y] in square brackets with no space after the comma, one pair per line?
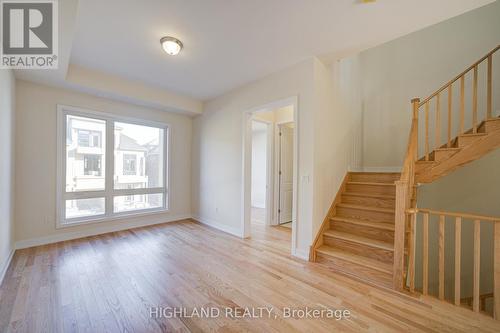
[82,161]
[96,139]
[129,163]
[89,138]
[83,138]
[90,190]
[92,165]
[135,143]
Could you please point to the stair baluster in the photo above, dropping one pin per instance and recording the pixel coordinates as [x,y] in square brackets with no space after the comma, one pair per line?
[480,139]
[476,269]
[489,95]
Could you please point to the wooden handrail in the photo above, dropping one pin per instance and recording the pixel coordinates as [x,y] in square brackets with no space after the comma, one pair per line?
[458,217]
[471,67]
[424,106]
[454,214]
[406,191]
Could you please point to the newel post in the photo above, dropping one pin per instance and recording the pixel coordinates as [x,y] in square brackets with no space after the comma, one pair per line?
[416,105]
[399,234]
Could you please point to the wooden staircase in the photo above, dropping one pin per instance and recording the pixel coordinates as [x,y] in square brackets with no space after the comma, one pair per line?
[370,231]
[461,150]
[358,234]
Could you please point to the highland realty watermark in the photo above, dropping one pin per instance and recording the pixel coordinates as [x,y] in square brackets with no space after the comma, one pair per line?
[248,313]
[29,32]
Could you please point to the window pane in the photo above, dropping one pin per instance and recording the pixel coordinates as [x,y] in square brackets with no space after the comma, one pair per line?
[138,156]
[84,207]
[137,202]
[129,164]
[85,154]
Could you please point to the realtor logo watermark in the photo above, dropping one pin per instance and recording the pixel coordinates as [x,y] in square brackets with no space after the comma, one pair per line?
[29,34]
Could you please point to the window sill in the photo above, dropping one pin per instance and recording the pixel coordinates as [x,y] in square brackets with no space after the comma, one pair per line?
[118,216]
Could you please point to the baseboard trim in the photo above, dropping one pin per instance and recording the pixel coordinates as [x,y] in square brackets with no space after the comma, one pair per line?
[3,272]
[298,253]
[376,169]
[222,227]
[301,254]
[99,230]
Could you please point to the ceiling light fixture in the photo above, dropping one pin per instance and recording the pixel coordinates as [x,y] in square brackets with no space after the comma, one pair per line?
[171,45]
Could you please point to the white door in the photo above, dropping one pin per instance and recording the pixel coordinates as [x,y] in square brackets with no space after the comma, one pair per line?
[285,174]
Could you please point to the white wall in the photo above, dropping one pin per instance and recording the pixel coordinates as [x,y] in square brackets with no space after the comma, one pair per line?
[7,100]
[217,150]
[259,164]
[36,162]
[280,115]
[328,169]
[415,66]
[325,152]
[347,92]
[338,131]
[283,115]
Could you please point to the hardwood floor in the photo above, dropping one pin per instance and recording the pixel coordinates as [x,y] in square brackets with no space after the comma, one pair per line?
[108,283]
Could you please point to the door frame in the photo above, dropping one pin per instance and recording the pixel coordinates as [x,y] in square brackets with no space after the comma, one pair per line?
[269,168]
[247,166]
[277,156]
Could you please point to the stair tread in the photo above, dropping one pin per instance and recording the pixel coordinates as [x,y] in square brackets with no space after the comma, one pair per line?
[373,173]
[371,183]
[473,134]
[378,225]
[371,208]
[356,259]
[448,149]
[370,195]
[432,155]
[359,239]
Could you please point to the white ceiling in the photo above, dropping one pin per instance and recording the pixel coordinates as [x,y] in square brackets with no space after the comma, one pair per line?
[231,42]
[227,43]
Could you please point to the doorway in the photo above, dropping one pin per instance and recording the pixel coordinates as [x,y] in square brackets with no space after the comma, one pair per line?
[270,170]
[285,174]
[261,154]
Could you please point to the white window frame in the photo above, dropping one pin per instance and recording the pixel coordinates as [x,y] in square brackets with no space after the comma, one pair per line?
[109,192]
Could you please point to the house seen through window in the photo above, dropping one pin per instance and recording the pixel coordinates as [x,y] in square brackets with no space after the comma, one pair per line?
[137,178]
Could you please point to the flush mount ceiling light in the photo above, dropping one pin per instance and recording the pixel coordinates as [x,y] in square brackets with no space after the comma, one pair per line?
[171,45]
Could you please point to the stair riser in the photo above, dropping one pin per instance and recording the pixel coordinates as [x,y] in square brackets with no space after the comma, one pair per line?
[365,214]
[492,125]
[372,189]
[467,140]
[362,272]
[440,156]
[365,231]
[360,249]
[374,177]
[422,167]
[369,201]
